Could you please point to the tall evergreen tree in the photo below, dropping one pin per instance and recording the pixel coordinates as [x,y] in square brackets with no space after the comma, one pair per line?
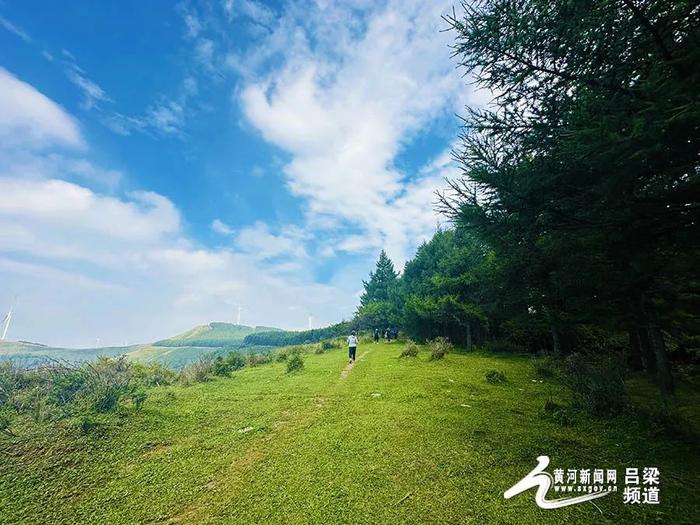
[381,281]
[586,165]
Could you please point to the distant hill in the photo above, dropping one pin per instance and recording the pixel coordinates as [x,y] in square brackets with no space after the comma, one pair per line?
[284,337]
[175,351]
[31,354]
[216,335]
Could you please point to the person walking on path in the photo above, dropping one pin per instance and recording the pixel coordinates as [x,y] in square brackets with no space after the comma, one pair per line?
[352,346]
[376,336]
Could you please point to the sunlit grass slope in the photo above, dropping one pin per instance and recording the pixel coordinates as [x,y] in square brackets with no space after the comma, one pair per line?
[213,335]
[395,441]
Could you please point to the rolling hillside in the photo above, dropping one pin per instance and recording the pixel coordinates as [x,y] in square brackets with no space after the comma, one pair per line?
[31,353]
[389,441]
[174,352]
[218,335]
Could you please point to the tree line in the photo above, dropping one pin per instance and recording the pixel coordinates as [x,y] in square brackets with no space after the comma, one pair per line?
[575,218]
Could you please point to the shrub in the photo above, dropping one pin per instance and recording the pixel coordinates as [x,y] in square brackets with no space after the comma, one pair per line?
[224,365]
[67,384]
[328,345]
[495,377]
[558,413]
[153,375]
[545,367]
[281,356]
[439,347]
[295,363]
[410,349]
[597,385]
[259,359]
[198,371]
[138,397]
[108,381]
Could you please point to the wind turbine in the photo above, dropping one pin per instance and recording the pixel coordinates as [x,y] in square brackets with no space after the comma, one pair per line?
[6,320]
[238,322]
[311,319]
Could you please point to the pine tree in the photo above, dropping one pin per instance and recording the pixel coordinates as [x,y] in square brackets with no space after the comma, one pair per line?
[381,281]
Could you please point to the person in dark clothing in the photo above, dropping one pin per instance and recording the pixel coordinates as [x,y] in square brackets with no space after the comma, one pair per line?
[376,335]
[396,332]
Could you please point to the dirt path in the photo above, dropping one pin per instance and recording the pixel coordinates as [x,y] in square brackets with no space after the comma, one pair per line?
[344,373]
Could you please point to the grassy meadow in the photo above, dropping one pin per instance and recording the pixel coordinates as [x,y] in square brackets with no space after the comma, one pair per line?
[392,440]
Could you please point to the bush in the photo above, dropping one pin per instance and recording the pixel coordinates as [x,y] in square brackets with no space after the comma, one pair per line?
[259,359]
[108,381]
[495,377]
[295,363]
[545,367]
[328,345]
[198,371]
[597,385]
[153,375]
[224,365]
[439,348]
[410,349]
[67,384]
[138,397]
[557,413]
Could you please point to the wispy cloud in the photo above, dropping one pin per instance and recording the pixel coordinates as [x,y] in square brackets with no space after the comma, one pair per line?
[12,28]
[92,93]
[221,227]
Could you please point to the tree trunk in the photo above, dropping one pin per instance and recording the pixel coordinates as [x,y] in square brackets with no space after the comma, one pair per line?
[469,335]
[556,340]
[635,358]
[663,366]
[650,336]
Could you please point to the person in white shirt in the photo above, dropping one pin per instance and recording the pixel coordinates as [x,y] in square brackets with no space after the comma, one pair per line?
[352,346]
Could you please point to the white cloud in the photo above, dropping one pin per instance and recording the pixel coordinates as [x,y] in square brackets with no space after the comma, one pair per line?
[344,104]
[92,93]
[30,119]
[120,267]
[192,24]
[263,244]
[12,28]
[220,227]
[88,265]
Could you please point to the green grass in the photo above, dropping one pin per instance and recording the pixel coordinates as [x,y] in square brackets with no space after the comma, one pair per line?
[390,443]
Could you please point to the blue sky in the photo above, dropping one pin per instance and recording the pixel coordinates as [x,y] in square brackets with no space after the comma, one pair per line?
[162,164]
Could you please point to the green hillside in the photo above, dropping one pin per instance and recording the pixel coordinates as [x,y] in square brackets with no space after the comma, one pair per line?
[31,353]
[174,352]
[217,335]
[389,441]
